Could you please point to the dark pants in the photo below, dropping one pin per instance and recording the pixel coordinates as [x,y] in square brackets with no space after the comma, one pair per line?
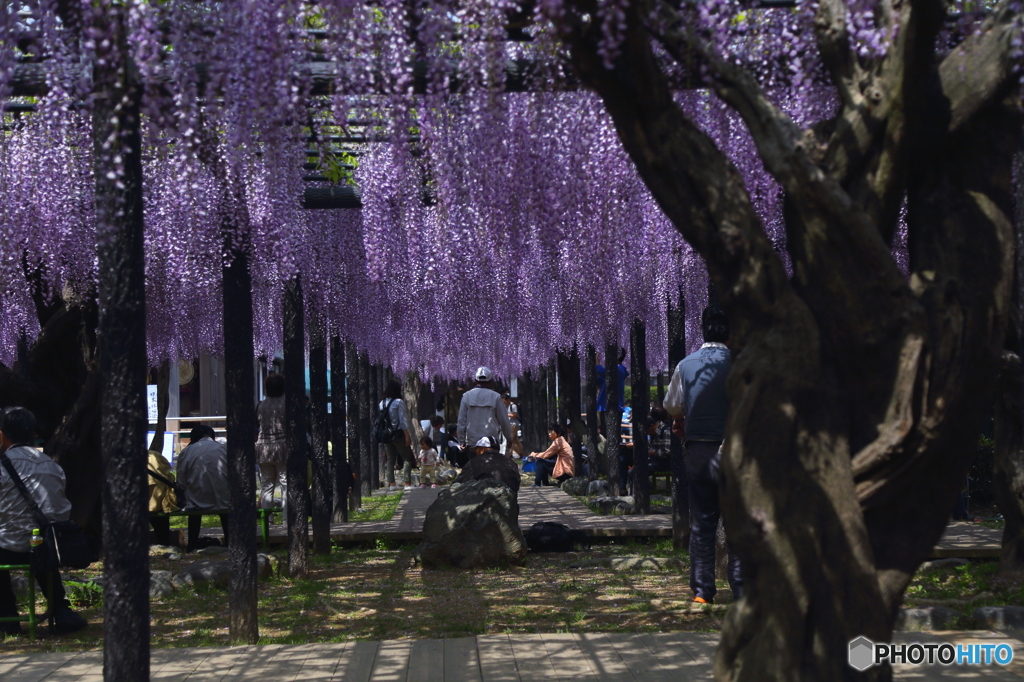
[161,529]
[702,472]
[543,468]
[8,603]
[625,474]
[195,524]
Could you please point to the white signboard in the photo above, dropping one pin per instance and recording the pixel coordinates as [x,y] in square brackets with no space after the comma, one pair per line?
[151,402]
[168,449]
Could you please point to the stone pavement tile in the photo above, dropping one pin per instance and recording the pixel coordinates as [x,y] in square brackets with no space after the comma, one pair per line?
[392,661]
[566,657]
[497,662]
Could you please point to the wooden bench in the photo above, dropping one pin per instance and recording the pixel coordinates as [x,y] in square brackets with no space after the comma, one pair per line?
[263,515]
[32,619]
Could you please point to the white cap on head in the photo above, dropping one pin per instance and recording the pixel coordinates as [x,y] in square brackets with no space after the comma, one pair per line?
[486,442]
[483,374]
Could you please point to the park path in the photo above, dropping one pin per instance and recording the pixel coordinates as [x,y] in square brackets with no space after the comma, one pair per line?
[591,656]
[551,504]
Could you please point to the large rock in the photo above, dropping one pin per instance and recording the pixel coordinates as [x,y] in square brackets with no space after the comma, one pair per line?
[576,486]
[647,563]
[494,466]
[473,525]
[267,565]
[204,571]
[999,617]
[161,584]
[928,618]
[599,487]
[446,476]
[622,506]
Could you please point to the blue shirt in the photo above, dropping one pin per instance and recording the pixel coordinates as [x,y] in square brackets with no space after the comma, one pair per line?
[602,388]
[698,391]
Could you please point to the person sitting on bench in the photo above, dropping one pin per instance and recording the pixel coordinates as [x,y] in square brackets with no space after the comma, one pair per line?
[202,469]
[44,480]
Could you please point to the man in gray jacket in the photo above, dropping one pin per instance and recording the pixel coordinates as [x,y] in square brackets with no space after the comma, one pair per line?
[483,413]
[45,481]
[202,470]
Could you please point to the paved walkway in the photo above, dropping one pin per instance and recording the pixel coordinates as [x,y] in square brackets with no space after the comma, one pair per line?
[605,657]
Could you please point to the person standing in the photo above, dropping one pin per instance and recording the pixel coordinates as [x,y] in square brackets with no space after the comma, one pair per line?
[602,384]
[428,460]
[271,443]
[482,413]
[400,448]
[697,398]
[44,480]
[513,446]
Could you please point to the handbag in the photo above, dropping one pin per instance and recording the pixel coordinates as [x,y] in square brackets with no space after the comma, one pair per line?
[64,545]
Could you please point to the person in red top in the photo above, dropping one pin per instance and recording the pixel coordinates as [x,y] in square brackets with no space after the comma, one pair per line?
[556,461]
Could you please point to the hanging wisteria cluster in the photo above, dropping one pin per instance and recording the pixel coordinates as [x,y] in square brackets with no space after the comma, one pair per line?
[496,227]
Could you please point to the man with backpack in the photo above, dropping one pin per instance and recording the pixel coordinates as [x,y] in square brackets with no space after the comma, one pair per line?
[392,431]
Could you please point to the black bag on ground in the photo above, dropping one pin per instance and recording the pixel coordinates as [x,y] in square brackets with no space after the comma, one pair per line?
[64,545]
[383,430]
[548,536]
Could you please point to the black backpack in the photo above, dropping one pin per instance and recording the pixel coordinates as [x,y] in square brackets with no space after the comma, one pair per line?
[383,430]
[547,536]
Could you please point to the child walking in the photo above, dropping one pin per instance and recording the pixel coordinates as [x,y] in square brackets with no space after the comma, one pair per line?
[428,460]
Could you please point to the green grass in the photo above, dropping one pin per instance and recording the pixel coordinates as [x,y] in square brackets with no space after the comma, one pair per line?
[378,507]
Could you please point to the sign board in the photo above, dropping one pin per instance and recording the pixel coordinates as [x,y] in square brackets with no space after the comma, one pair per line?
[151,403]
[168,449]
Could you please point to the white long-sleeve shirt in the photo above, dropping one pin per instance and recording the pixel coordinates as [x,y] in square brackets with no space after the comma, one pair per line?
[483,413]
[45,482]
[202,470]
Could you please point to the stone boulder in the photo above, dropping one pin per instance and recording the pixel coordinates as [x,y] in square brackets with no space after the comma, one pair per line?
[213,550]
[622,506]
[576,486]
[446,476]
[927,618]
[648,563]
[999,617]
[599,488]
[204,571]
[472,525]
[161,584]
[492,465]
[267,565]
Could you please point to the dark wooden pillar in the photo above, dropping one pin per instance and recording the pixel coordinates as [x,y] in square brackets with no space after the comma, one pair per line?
[641,403]
[552,394]
[295,420]
[323,486]
[541,414]
[680,496]
[121,345]
[355,433]
[376,376]
[569,402]
[341,476]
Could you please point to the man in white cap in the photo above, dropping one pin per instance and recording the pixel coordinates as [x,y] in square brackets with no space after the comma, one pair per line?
[482,413]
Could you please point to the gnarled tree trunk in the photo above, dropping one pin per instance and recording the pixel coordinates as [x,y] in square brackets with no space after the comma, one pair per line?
[295,428]
[1008,469]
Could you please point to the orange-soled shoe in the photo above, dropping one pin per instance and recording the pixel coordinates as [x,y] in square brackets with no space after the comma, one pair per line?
[701,600]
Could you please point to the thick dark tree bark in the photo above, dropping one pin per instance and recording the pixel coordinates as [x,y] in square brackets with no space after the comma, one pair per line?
[241,424]
[526,409]
[341,475]
[163,403]
[540,415]
[569,403]
[295,420]
[552,392]
[612,416]
[855,391]
[641,404]
[590,370]
[355,433]
[1008,469]
[121,336]
[323,486]
[680,496]
[367,447]
[376,449]
[411,385]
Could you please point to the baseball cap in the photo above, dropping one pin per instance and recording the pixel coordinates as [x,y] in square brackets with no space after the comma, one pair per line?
[486,442]
[483,374]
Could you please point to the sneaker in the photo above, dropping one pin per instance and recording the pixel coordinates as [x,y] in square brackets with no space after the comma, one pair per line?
[408,487]
[392,488]
[66,621]
[434,485]
[702,600]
